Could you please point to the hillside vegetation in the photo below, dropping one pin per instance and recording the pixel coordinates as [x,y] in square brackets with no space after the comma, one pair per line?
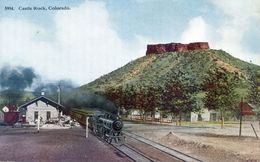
[155,70]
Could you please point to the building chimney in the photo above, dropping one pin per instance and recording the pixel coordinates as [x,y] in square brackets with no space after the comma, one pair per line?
[42,93]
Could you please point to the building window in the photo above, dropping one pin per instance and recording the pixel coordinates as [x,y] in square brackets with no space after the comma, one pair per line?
[36,113]
[48,115]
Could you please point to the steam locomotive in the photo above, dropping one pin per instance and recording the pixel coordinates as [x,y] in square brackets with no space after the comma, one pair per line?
[104,125]
[107,126]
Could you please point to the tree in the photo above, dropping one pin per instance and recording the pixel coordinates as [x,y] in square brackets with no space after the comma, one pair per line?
[140,100]
[144,98]
[178,94]
[254,94]
[254,90]
[147,100]
[115,95]
[152,97]
[129,97]
[220,85]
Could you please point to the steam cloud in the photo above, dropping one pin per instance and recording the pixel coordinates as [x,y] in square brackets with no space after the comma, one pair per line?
[78,98]
[14,80]
[51,89]
[72,97]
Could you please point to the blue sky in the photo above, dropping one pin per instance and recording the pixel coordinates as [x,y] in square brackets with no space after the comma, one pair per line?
[98,36]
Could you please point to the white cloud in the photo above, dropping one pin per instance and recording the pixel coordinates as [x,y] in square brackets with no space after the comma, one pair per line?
[197,30]
[241,15]
[85,46]
[240,10]
[145,1]
[255,10]
[229,36]
[16,39]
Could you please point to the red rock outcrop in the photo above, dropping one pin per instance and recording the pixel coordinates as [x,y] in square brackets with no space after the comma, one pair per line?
[198,45]
[175,47]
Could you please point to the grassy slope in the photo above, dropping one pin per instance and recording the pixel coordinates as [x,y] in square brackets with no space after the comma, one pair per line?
[152,70]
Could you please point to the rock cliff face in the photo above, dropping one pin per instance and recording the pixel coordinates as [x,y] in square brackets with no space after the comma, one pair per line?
[175,47]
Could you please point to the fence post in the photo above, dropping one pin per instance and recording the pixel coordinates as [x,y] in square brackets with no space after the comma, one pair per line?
[241,117]
[240,127]
[254,131]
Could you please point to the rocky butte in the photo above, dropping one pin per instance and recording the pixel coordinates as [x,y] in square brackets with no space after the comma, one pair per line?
[175,47]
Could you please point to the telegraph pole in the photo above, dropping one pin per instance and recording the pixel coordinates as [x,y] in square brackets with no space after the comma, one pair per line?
[38,123]
[59,97]
[59,91]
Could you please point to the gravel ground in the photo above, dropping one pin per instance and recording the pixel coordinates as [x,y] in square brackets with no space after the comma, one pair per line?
[207,142]
[25,144]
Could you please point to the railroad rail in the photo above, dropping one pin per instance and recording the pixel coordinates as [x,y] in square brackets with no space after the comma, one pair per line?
[130,152]
[172,153]
[133,154]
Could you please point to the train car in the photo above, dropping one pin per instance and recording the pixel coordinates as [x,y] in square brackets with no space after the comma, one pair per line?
[80,115]
[11,117]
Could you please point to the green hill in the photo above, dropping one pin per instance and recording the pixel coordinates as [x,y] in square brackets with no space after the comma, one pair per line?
[154,70]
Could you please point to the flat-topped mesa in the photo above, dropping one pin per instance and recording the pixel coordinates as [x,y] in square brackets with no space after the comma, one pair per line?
[175,47]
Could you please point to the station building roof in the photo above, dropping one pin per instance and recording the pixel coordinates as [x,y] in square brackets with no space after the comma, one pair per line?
[45,100]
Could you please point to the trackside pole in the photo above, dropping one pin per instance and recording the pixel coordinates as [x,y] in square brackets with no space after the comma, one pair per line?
[87,127]
[38,123]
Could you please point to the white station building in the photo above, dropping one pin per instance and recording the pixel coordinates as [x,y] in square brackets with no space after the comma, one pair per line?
[41,107]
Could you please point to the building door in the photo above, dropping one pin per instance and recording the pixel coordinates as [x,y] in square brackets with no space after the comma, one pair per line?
[36,114]
[48,115]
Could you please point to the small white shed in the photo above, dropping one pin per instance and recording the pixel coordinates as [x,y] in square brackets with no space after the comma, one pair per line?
[206,115]
[9,108]
[5,109]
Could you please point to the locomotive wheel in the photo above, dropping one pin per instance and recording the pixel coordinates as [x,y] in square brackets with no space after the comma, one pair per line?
[103,134]
[95,131]
[110,140]
[105,137]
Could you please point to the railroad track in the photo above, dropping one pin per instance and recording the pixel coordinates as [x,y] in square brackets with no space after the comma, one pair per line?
[127,150]
[142,149]
[132,153]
